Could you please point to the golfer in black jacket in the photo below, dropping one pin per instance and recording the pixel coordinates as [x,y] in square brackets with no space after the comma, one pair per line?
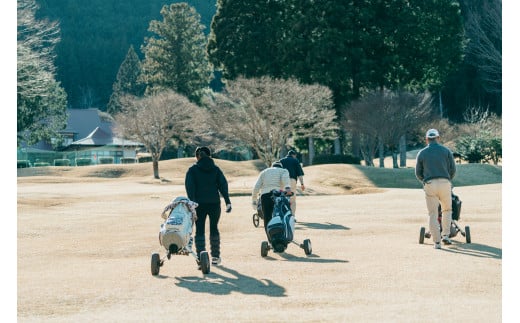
[204,184]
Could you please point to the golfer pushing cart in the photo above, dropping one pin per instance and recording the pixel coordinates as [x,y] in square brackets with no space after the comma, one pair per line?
[175,235]
[271,199]
[280,229]
[455,228]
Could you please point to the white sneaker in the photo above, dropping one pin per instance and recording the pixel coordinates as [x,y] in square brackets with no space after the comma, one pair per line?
[437,245]
[446,240]
[216,261]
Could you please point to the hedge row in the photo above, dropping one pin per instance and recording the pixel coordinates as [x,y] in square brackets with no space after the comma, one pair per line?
[61,162]
[23,164]
[83,161]
[128,160]
[145,159]
[106,160]
[336,159]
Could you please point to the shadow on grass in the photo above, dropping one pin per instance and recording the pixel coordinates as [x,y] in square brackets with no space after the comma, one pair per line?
[320,226]
[475,250]
[217,284]
[314,258]
[467,175]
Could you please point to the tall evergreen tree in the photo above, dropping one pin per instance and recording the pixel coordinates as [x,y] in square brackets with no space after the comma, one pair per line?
[319,45]
[429,43]
[349,46]
[41,101]
[127,81]
[245,38]
[175,58]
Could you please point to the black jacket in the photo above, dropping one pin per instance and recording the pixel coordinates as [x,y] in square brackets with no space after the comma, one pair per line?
[204,181]
[293,166]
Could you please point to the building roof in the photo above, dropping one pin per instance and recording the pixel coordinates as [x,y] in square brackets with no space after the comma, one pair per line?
[80,122]
[88,130]
[99,137]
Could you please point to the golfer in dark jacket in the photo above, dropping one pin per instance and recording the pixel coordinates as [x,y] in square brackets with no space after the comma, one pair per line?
[291,163]
[435,168]
[204,184]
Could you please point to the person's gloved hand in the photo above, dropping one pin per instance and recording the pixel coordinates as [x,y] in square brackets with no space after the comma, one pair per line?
[228,208]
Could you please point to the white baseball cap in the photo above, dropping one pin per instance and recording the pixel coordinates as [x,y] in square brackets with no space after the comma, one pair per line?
[432,133]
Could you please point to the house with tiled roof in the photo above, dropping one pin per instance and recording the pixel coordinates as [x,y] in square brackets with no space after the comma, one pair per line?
[88,136]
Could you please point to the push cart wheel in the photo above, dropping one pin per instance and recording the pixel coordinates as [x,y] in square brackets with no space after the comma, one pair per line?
[421,235]
[468,234]
[204,262]
[256,220]
[307,247]
[453,230]
[264,248]
[156,263]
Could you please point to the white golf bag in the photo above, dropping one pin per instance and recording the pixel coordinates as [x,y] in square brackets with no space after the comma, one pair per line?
[176,231]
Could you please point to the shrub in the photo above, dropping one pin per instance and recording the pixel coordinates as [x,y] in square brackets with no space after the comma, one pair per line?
[106,160]
[83,161]
[61,162]
[128,160]
[144,159]
[482,148]
[336,159]
[23,163]
[41,164]
[494,150]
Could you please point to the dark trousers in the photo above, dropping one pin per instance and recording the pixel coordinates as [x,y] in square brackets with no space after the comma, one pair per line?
[212,211]
[267,208]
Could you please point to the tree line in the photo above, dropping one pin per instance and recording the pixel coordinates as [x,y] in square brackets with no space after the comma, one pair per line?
[96,35]
[352,48]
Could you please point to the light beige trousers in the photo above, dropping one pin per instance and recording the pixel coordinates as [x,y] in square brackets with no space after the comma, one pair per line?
[438,191]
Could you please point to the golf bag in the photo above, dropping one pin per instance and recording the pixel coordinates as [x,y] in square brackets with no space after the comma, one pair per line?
[456,205]
[280,229]
[175,233]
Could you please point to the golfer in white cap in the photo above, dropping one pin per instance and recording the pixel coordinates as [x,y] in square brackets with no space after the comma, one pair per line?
[435,168]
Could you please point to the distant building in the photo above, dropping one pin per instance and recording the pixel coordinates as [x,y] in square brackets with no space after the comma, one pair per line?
[85,136]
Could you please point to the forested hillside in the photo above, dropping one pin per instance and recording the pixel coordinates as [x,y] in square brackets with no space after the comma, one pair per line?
[97,34]
[95,37]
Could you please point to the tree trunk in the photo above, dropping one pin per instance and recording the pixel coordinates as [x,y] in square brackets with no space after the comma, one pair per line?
[402,150]
[381,155]
[155,168]
[356,144]
[367,158]
[441,108]
[394,159]
[180,151]
[311,150]
[337,147]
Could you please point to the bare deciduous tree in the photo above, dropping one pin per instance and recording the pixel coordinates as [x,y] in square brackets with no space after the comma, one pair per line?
[156,120]
[41,101]
[382,118]
[484,28]
[265,113]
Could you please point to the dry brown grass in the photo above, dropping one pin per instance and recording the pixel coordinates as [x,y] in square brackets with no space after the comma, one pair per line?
[85,236]
[320,179]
